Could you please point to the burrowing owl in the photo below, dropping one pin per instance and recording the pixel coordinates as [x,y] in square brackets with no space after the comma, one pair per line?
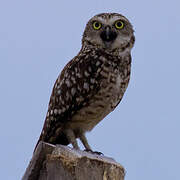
[93,83]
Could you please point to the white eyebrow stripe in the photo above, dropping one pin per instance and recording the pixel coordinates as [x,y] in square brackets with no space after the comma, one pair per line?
[111,20]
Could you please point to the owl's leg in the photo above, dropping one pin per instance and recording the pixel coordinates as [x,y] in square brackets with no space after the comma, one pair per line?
[83,139]
[71,138]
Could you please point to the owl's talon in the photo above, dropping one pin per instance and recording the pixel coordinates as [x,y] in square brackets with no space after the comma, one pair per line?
[98,153]
[94,152]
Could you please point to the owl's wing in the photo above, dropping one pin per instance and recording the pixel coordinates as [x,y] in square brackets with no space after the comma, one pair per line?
[77,83]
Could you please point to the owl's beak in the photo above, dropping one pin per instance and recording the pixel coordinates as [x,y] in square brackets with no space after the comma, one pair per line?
[107,35]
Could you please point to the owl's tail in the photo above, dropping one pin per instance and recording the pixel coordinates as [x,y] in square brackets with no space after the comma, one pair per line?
[61,139]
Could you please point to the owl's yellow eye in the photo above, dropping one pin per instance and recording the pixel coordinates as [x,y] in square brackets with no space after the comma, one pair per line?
[97,25]
[119,24]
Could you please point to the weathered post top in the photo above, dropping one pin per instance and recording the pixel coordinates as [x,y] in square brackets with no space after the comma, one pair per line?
[60,162]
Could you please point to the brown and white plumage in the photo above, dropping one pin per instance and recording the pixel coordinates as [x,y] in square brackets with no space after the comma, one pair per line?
[93,83]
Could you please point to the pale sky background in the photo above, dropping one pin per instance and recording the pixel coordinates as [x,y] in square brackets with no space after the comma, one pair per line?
[37,39]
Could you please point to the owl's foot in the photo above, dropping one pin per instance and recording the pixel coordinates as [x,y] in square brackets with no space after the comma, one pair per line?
[94,152]
[98,153]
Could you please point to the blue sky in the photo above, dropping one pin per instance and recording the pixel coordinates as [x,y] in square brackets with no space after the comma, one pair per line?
[37,39]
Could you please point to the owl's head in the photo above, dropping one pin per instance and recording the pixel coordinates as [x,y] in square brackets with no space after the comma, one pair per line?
[109,31]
